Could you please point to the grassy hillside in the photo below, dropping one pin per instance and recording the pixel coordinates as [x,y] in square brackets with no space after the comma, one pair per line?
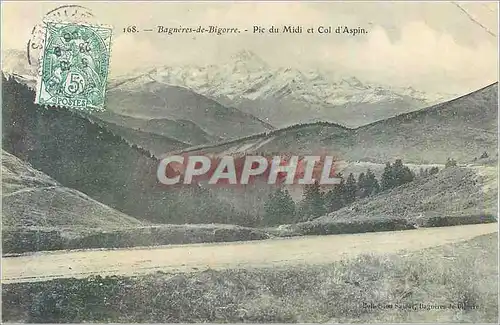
[453,196]
[297,139]
[463,129]
[452,191]
[31,198]
[39,214]
[84,156]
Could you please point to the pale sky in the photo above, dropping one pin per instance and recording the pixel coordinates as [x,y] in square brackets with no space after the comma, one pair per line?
[428,45]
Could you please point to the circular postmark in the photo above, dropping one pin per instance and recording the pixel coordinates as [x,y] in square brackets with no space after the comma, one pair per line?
[67,13]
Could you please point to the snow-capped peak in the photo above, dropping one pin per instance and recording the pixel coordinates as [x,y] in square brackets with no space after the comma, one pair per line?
[247,76]
[248,57]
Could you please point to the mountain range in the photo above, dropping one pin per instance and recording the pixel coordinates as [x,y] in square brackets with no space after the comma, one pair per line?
[250,95]
[156,111]
[285,96]
[113,164]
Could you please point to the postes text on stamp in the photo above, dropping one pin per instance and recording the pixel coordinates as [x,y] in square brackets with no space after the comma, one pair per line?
[74,66]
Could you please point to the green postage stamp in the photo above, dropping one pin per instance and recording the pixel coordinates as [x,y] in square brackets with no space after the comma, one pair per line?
[74,66]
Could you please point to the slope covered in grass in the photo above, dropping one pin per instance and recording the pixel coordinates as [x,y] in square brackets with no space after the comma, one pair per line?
[32,199]
[457,195]
[453,191]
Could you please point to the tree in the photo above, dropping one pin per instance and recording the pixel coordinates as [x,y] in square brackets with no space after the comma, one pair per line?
[396,174]
[402,174]
[350,189]
[313,203]
[387,180]
[450,163]
[334,199]
[362,186]
[484,155]
[371,183]
[280,208]
[407,176]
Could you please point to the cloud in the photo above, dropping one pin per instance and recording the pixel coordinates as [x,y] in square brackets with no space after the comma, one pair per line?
[421,56]
[129,53]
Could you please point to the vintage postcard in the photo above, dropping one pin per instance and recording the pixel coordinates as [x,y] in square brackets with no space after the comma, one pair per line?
[249,162]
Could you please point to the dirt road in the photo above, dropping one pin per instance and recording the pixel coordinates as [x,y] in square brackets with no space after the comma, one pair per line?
[184,258]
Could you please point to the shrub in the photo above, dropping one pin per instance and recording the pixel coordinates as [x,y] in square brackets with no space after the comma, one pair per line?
[433,170]
[450,163]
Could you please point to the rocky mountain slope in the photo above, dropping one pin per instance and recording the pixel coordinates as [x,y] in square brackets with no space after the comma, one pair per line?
[16,61]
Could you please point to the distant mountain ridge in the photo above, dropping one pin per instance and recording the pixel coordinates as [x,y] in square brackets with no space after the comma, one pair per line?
[154,143]
[284,96]
[462,128]
[16,61]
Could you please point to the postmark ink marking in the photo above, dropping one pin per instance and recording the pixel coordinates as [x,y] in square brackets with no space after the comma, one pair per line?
[74,66]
